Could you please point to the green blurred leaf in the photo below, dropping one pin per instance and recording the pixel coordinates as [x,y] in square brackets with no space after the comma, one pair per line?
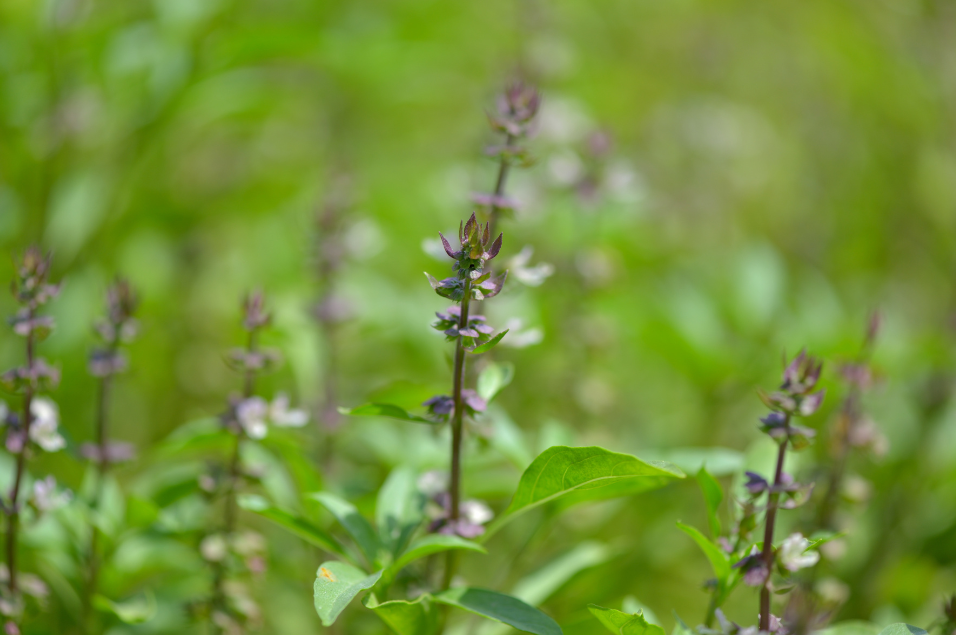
[543,583]
[501,608]
[726,576]
[560,470]
[385,410]
[902,629]
[490,344]
[713,496]
[399,508]
[624,623]
[852,627]
[494,378]
[350,518]
[133,611]
[418,617]
[433,543]
[337,584]
[296,524]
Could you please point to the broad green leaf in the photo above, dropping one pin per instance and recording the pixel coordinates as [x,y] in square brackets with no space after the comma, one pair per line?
[561,470]
[336,584]
[385,410]
[632,605]
[493,378]
[296,524]
[399,509]
[418,617]
[902,629]
[490,344]
[501,608]
[719,561]
[350,518]
[433,543]
[624,623]
[713,496]
[132,611]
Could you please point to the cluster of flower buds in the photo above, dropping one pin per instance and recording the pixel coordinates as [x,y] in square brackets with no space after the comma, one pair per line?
[117,327]
[795,396]
[251,416]
[443,406]
[474,514]
[794,553]
[516,111]
[253,359]
[32,290]
[474,334]
[476,250]
[726,627]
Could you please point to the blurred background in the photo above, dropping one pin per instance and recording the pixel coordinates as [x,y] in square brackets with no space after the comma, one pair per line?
[717,182]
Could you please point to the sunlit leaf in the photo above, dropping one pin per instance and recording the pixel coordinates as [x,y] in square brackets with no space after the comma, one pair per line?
[902,629]
[561,470]
[501,608]
[337,584]
[719,561]
[624,623]
[133,611]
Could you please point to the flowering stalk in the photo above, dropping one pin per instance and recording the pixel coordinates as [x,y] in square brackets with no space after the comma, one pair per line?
[470,334]
[246,420]
[105,362]
[516,110]
[795,398]
[38,420]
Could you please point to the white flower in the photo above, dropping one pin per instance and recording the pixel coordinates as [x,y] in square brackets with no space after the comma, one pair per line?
[251,414]
[43,428]
[793,553]
[283,416]
[213,548]
[46,497]
[433,482]
[476,512]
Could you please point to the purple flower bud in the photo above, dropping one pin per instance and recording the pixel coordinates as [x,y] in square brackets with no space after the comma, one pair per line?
[755,484]
[810,403]
[440,405]
[448,249]
[469,332]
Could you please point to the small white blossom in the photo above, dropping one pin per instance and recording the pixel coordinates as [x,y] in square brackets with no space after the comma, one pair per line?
[214,548]
[433,482]
[252,413]
[46,497]
[526,274]
[793,553]
[43,428]
[281,415]
[476,512]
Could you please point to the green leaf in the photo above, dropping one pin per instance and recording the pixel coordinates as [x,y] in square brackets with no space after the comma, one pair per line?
[719,461]
[851,627]
[132,611]
[624,623]
[500,608]
[902,629]
[433,543]
[385,410]
[490,344]
[713,496]
[493,378]
[561,470]
[296,524]
[336,584]
[719,561]
[418,617]
[350,518]
[399,509]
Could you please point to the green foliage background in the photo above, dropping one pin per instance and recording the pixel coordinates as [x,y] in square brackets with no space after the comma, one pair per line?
[779,170]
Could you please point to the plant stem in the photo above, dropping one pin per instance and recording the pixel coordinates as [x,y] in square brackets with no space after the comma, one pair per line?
[767,554]
[457,424]
[503,168]
[102,466]
[14,510]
